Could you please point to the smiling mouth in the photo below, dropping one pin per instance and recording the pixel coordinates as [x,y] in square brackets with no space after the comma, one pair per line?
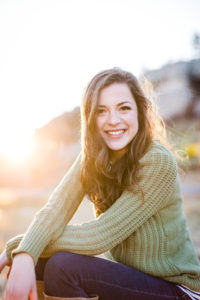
[115,133]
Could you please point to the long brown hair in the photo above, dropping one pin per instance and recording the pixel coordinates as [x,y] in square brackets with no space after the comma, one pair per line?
[102,184]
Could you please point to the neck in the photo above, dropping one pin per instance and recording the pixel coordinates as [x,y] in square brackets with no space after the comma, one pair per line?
[116,155]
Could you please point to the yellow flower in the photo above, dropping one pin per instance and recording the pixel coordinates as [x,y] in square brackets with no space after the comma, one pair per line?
[193,149]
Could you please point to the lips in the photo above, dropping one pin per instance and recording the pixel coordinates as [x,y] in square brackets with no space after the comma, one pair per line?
[115,133]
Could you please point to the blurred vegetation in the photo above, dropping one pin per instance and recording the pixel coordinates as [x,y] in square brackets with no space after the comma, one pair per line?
[184,136]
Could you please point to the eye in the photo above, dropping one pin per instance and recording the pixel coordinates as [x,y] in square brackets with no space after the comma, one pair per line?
[100,111]
[124,108]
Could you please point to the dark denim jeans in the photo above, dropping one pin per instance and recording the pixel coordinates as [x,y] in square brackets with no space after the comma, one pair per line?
[71,275]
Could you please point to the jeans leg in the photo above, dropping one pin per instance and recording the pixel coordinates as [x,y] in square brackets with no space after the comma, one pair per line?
[72,275]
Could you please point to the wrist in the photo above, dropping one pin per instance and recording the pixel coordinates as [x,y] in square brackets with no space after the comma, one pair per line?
[25,256]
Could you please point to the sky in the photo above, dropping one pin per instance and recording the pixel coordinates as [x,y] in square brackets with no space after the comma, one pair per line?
[50,49]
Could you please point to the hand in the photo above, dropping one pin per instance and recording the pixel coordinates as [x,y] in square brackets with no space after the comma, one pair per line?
[3,260]
[21,282]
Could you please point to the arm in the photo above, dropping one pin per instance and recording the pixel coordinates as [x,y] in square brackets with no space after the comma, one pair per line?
[126,215]
[12,244]
[50,221]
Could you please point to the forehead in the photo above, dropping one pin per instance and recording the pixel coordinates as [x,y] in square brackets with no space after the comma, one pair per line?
[115,93]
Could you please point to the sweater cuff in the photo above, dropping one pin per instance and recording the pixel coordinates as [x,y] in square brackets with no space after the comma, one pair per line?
[12,244]
[25,247]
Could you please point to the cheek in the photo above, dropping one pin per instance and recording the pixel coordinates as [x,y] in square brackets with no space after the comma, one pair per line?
[132,120]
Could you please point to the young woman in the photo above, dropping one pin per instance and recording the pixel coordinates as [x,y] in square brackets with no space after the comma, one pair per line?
[131,178]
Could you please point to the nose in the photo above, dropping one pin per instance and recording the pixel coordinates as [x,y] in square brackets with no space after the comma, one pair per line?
[113,118]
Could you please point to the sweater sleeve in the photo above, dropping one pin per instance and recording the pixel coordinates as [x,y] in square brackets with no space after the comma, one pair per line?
[49,223]
[126,215]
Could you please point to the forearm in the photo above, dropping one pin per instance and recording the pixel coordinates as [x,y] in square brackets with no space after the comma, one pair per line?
[125,216]
[50,221]
[12,244]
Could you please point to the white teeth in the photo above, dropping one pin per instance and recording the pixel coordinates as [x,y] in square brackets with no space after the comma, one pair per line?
[116,132]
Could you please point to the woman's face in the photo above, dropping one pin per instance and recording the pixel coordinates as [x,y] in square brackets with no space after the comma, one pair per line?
[117,118]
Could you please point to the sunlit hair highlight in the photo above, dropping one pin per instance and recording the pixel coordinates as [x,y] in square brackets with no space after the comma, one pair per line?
[102,185]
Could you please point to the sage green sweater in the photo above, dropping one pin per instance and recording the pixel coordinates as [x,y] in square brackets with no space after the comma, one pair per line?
[150,236]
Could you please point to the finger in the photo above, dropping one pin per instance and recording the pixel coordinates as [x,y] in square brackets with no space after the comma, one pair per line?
[15,293]
[6,293]
[15,296]
[8,272]
[33,294]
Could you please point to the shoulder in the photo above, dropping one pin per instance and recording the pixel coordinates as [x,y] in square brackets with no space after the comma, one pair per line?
[156,151]
[160,159]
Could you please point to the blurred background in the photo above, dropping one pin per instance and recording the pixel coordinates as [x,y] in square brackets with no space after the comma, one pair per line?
[49,50]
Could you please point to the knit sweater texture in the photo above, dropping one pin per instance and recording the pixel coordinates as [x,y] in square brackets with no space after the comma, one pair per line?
[150,235]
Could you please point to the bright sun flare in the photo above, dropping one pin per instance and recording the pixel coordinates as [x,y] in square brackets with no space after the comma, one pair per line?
[16,148]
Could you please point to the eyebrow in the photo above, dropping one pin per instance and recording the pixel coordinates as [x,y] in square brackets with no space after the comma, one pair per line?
[119,104]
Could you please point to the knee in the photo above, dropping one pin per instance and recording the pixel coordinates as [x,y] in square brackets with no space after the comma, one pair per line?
[59,268]
[56,263]
[59,264]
